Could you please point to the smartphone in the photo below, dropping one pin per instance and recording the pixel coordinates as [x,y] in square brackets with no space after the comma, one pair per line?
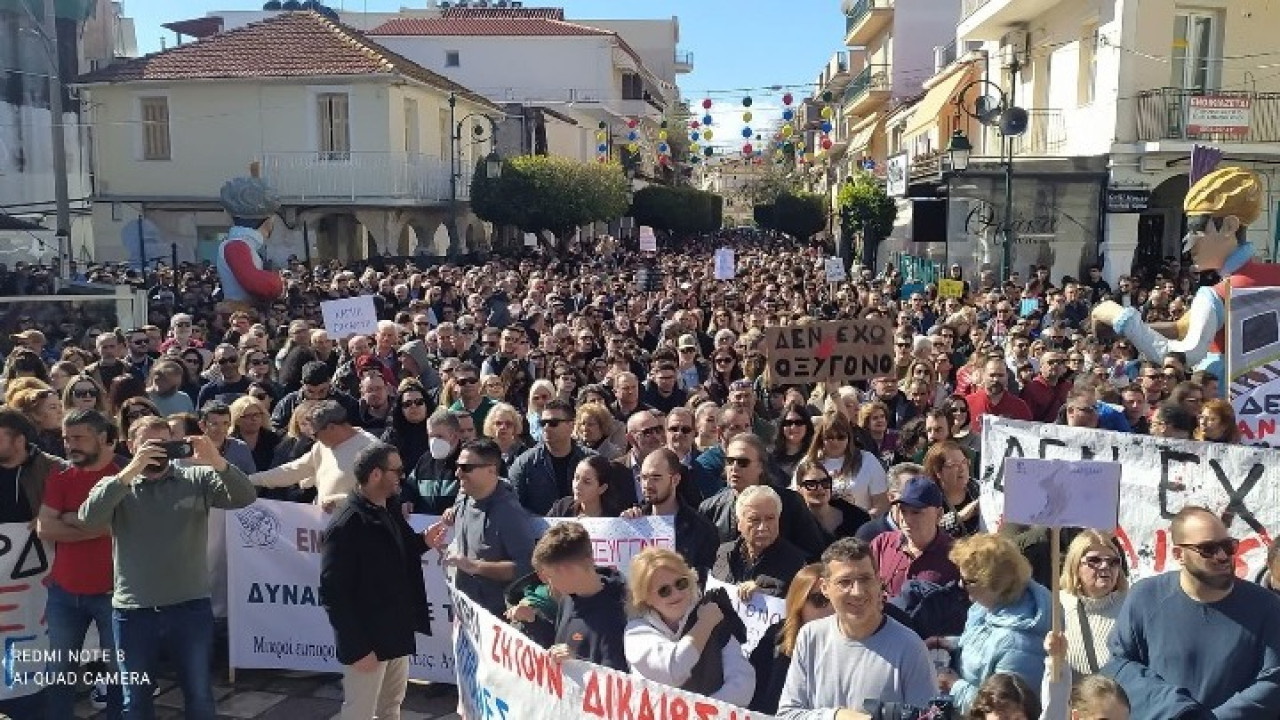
[178,449]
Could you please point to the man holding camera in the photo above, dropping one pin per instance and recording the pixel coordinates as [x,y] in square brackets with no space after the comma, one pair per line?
[158,513]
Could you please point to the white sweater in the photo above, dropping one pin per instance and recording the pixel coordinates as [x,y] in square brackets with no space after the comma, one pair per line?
[656,652]
[328,469]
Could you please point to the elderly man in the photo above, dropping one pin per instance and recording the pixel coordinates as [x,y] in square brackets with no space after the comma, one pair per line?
[645,433]
[918,549]
[432,486]
[758,559]
[328,465]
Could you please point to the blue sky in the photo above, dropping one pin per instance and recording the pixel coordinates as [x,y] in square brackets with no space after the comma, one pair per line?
[737,44]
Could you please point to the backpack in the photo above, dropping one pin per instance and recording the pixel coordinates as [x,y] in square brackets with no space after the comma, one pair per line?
[933,610]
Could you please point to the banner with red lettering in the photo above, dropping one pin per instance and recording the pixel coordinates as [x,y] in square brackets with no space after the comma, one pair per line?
[1253,344]
[1160,476]
[502,675]
[25,561]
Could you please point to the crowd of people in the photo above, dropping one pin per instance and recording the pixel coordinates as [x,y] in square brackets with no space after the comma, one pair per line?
[493,394]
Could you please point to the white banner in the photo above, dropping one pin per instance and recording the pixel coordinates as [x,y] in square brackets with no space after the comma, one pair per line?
[614,541]
[275,619]
[757,613]
[24,564]
[499,670]
[1160,477]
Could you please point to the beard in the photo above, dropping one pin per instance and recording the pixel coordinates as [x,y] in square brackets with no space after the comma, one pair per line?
[1215,580]
[83,460]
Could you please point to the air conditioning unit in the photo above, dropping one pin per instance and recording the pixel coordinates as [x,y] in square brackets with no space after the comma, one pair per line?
[1013,46]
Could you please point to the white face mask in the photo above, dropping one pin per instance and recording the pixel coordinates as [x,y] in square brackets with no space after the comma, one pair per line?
[440,448]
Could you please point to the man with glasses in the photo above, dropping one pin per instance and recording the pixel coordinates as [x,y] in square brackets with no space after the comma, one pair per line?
[372,589]
[317,384]
[1046,393]
[857,658]
[138,356]
[646,433]
[1198,642]
[232,384]
[681,429]
[467,380]
[328,465]
[662,391]
[544,473]
[493,535]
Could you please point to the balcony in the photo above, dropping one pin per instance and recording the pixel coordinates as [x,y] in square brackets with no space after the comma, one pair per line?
[867,90]
[1046,134]
[836,74]
[991,19]
[684,62]
[865,20]
[363,178]
[1219,116]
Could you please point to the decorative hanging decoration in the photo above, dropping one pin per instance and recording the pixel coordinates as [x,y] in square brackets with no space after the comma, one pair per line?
[787,99]
[746,133]
[706,119]
[707,134]
[706,104]
[788,114]
[746,101]
[746,116]
[747,149]
[632,123]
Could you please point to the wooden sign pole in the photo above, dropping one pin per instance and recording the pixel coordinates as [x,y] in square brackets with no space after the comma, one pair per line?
[1055,548]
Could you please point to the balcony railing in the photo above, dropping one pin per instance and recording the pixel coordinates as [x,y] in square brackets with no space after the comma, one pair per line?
[363,177]
[872,77]
[944,55]
[969,7]
[684,59]
[1046,134]
[859,11]
[1240,116]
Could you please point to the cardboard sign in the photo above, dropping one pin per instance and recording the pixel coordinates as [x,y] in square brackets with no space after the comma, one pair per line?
[724,266]
[846,351]
[834,270]
[951,288]
[648,240]
[350,316]
[1062,493]
[910,289]
[1028,306]
[757,613]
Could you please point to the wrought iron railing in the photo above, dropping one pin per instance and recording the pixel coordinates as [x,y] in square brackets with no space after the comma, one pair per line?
[872,77]
[1046,133]
[1209,115]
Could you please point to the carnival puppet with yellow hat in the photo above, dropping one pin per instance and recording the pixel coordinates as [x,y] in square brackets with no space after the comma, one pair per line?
[1219,208]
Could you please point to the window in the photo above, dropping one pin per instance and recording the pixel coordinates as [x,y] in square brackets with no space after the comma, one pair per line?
[1088,73]
[155,128]
[335,127]
[1196,60]
[632,87]
[452,58]
[411,134]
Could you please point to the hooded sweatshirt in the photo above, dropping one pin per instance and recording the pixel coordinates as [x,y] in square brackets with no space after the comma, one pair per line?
[592,626]
[1006,639]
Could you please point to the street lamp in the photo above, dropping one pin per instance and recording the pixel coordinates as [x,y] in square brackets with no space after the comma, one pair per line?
[492,162]
[959,150]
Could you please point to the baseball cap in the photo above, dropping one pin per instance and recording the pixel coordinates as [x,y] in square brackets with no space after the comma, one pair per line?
[688,341]
[921,492]
[29,336]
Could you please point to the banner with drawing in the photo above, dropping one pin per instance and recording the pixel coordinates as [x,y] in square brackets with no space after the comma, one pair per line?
[24,564]
[1160,477]
[500,670]
[1253,345]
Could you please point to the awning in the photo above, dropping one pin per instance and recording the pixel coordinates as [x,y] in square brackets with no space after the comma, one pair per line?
[862,138]
[935,102]
[9,222]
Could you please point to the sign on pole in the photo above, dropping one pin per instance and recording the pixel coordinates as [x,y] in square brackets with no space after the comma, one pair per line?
[1062,493]
[951,288]
[724,264]
[350,316]
[845,351]
[834,270]
[648,240]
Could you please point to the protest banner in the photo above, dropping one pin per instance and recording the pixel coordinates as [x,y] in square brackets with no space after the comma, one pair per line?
[275,619]
[724,268]
[1253,347]
[1062,493]
[24,564]
[833,269]
[845,350]
[350,316]
[502,675]
[648,239]
[1028,306]
[273,586]
[1161,476]
[951,288]
[757,613]
[909,289]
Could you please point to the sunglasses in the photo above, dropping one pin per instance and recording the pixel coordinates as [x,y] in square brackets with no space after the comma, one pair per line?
[1211,549]
[228,361]
[259,361]
[466,380]
[793,423]
[679,429]
[135,414]
[823,484]
[818,600]
[553,422]
[1099,562]
[89,393]
[724,361]
[680,584]
[651,430]
[414,403]
[468,467]
[739,461]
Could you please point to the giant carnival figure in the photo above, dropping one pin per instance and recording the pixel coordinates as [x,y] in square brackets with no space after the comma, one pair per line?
[252,205]
[1219,208]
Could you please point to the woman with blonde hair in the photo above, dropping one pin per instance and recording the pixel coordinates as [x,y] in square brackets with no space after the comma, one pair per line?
[672,630]
[1217,422]
[84,393]
[772,656]
[594,426]
[1093,586]
[503,424]
[17,385]
[858,475]
[540,393]
[249,424]
[43,408]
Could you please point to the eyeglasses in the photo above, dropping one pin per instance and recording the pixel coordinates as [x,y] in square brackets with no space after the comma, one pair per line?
[228,361]
[681,584]
[182,324]
[414,403]
[687,350]
[724,361]
[469,467]
[86,393]
[650,431]
[1099,562]
[816,484]
[552,422]
[466,380]
[397,471]
[739,461]
[969,582]
[818,601]
[1209,550]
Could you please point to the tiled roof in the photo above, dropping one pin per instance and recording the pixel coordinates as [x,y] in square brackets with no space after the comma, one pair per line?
[471,12]
[514,26]
[290,44]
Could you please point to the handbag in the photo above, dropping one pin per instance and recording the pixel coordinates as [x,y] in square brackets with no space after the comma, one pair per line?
[1086,632]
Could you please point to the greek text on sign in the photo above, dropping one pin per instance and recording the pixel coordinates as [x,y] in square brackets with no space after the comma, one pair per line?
[951,288]
[1219,114]
[757,613]
[350,316]
[846,350]
[1062,493]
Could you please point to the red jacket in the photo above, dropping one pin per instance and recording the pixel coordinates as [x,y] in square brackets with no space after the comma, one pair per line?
[1010,406]
[1045,400]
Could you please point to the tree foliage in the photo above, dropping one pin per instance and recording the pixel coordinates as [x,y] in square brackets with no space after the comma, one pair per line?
[866,208]
[555,194]
[798,214]
[678,210]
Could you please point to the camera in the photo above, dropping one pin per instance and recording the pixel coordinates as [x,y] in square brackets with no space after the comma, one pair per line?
[178,449]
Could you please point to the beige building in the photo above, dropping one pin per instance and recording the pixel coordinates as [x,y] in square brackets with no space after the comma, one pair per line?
[356,139]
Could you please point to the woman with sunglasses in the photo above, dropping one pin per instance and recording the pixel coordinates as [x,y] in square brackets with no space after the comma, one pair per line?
[836,517]
[795,436]
[858,475]
[671,630]
[772,655]
[257,366]
[725,370]
[961,433]
[194,365]
[407,430]
[1094,584]
[84,393]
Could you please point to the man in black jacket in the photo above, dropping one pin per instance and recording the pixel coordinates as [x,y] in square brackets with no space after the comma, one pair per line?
[371,586]
[592,615]
[661,477]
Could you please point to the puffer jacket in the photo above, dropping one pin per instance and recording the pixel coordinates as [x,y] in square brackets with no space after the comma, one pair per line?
[1006,639]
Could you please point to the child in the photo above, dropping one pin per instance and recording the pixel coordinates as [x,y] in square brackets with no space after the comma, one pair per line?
[592,614]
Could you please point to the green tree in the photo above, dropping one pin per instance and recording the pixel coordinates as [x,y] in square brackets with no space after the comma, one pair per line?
[801,214]
[555,194]
[677,210]
[867,211]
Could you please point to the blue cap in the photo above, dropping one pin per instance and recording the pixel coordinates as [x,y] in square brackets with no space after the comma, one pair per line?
[921,492]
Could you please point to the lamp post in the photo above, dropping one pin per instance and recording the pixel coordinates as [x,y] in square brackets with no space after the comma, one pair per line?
[492,164]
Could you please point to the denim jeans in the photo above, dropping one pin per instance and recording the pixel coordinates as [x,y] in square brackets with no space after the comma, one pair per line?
[184,632]
[68,616]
